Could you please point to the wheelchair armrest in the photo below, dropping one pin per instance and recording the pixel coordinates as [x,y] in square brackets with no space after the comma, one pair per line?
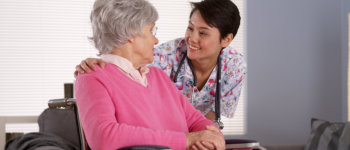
[241,143]
[145,147]
[63,102]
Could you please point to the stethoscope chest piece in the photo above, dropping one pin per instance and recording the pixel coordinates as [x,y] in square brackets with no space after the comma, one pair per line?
[219,124]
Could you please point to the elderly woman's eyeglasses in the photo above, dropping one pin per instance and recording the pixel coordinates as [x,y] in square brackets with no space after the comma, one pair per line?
[154,30]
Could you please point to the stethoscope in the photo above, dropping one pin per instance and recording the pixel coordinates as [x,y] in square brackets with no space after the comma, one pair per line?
[217,120]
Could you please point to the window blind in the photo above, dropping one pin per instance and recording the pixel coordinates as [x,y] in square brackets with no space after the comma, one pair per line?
[42,41]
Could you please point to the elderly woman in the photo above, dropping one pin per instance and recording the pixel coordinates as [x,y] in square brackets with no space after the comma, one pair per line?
[128,103]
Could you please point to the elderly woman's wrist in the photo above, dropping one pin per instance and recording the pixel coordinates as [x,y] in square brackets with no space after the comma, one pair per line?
[189,139]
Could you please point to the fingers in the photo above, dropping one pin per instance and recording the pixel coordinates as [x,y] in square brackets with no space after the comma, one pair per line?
[87,65]
[193,142]
[101,63]
[213,139]
[84,66]
[79,69]
[200,146]
[75,74]
[90,62]
[194,147]
[207,145]
[221,145]
[219,142]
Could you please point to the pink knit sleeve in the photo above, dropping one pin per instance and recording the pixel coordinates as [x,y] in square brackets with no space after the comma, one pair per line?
[195,120]
[103,131]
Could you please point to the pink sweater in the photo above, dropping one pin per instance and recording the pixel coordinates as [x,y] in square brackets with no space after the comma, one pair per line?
[116,111]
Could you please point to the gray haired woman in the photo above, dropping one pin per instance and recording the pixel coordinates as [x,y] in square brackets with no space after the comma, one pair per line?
[128,103]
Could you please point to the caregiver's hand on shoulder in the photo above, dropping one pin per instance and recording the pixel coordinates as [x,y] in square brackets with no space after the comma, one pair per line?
[87,65]
[205,139]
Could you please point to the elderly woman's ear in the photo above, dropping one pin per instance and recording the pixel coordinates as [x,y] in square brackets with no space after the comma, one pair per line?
[131,40]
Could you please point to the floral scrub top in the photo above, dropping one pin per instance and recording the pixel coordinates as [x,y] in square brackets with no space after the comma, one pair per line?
[167,56]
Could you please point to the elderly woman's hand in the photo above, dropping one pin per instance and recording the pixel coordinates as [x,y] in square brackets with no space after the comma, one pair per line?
[202,145]
[87,65]
[206,139]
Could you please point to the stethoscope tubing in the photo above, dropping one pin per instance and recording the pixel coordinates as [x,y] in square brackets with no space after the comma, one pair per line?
[218,85]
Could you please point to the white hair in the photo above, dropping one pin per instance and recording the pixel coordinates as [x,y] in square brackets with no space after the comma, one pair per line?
[114,22]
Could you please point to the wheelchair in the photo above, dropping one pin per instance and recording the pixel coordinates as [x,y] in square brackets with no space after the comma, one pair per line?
[60,124]
[67,125]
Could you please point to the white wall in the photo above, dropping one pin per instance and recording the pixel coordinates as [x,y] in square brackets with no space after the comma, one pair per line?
[294,67]
[344,55]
